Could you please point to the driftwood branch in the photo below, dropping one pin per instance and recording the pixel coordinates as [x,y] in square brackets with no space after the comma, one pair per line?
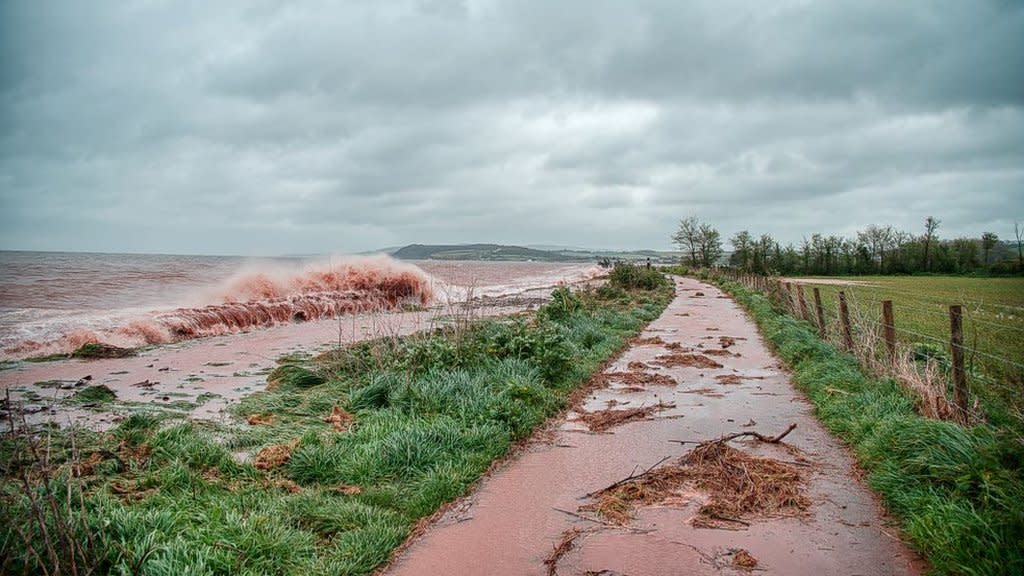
[728,437]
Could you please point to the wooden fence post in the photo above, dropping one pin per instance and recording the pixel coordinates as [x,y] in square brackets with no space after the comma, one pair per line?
[804,314]
[889,330]
[956,345]
[821,313]
[844,319]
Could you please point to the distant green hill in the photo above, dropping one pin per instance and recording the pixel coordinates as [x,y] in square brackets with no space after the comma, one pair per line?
[502,252]
[482,252]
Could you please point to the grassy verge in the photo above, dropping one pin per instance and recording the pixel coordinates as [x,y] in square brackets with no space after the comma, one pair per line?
[334,464]
[958,491]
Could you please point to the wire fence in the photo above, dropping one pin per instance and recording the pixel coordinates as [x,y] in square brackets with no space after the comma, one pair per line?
[945,352]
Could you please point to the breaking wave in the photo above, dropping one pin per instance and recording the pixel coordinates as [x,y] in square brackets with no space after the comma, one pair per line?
[253,299]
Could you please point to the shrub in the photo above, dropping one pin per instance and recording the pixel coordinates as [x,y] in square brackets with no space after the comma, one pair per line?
[563,304]
[629,277]
[610,292]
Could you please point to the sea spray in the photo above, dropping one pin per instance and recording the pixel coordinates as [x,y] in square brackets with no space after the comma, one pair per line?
[260,298]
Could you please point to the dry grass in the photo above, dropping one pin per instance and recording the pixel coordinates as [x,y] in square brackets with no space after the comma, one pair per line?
[743,560]
[924,380]
[260,419]
[617,504]
[708,392]
[641,378]
[561,549]
[347,489]
[728,379]
[727,341]
[339,419]
[928,386]
[741,485]
[604,419]
[287,485]
[738,486]
[687,360]
[273,456]
[653,340]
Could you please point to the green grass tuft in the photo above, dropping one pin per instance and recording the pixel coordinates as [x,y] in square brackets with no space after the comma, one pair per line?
[94,350]
[93,395]
[292,376]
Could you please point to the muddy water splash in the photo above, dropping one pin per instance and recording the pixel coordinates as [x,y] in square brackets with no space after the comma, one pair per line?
[315,293]
[259,299]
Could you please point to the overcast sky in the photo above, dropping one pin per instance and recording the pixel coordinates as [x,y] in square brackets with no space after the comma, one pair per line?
[264,127]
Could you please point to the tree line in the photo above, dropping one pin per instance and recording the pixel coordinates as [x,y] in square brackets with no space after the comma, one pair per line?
[874,250]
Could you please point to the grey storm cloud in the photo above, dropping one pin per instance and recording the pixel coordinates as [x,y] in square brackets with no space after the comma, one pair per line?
[274,127]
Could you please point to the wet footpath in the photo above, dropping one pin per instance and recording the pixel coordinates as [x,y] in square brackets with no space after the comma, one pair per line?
[640,477]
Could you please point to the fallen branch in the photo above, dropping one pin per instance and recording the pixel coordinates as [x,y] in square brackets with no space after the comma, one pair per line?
[728,437]
[563,547]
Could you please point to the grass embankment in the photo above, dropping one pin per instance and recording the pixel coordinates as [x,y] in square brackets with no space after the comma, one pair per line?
[993,328]
[348,451]
[959,491]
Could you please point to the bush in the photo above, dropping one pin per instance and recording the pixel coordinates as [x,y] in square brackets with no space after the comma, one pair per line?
[435,351]
[563,304]
[545,343]
[610,292]
[630,277]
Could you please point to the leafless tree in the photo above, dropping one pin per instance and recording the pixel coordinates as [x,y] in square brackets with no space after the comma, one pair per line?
[931,224]
[1018,231]
[700,240]
[688,238]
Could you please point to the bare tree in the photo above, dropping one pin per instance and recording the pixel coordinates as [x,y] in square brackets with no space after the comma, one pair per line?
[1018,231]
[931,224]
[700,240]
[688,238]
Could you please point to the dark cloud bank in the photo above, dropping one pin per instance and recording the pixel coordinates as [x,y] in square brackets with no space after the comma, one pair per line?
[268,127]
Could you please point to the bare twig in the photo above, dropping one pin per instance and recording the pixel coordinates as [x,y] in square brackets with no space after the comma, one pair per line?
[563,547]
[728,437]
[633,476]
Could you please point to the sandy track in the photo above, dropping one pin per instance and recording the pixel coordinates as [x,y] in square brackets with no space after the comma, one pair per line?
[517,516]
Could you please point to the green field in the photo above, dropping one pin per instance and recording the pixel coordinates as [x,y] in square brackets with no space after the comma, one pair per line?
[993,326]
